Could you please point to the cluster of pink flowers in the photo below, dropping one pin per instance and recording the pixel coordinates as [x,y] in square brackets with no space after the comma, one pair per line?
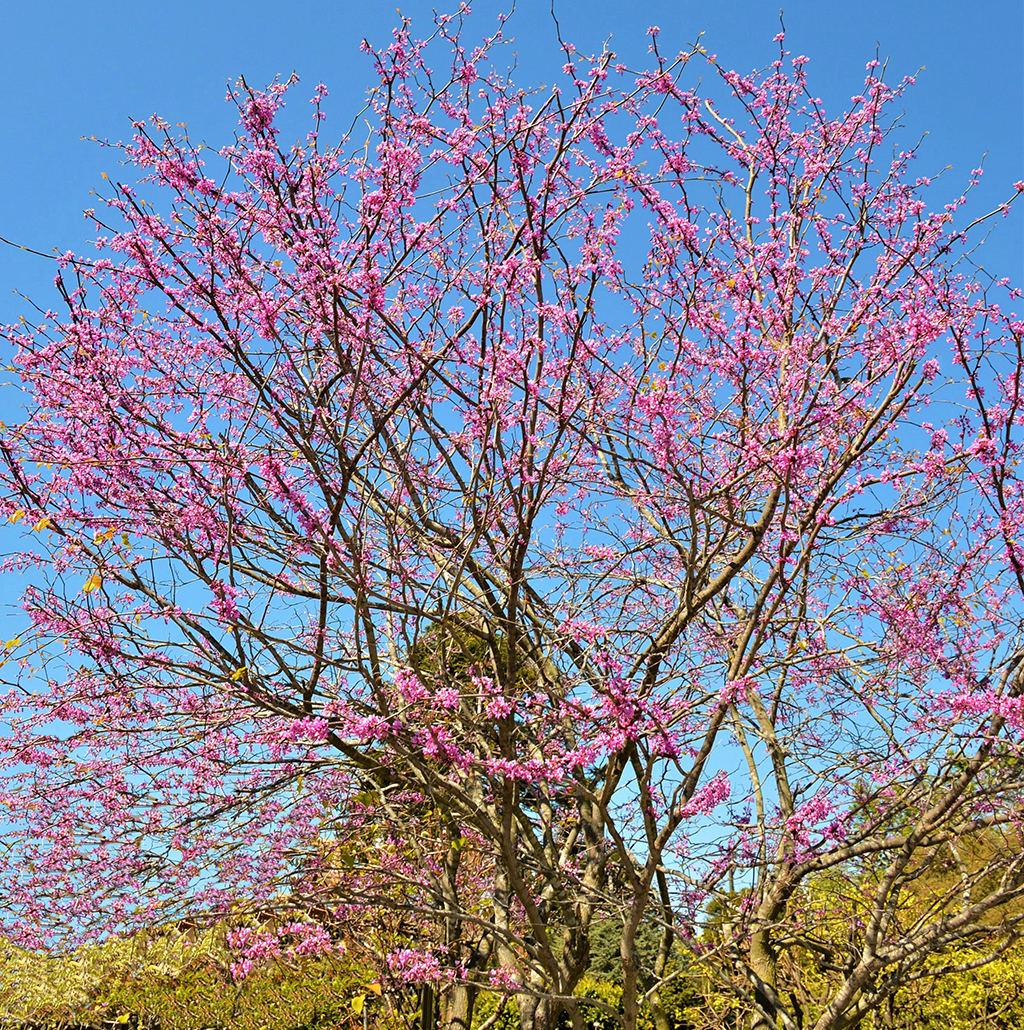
[412,966]
[256,945]
[709,797]
[504,979]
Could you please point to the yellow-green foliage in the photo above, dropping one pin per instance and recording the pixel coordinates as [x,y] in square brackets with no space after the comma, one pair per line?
[611,994]
[680,999]
[180,981]
[989,998]
[486,1003]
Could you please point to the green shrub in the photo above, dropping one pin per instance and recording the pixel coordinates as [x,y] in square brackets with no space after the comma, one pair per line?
[178,981]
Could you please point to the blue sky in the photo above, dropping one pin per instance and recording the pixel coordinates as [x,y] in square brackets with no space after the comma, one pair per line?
[76,68]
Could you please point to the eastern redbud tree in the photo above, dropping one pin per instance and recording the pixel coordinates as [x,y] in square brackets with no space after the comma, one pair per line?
[537,506]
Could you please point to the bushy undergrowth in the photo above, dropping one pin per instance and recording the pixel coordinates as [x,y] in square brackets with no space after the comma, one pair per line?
[176,981]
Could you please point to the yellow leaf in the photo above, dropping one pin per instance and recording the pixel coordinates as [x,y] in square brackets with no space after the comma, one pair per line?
[375,988]
[12,644]
[238,673]
[94,582]
[41,525]
[357,1004]
[18,515]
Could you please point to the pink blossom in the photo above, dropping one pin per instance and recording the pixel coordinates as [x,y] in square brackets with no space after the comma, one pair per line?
[412,966]
[708,798]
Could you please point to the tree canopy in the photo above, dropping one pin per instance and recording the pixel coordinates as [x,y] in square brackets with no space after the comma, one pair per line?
[531,510]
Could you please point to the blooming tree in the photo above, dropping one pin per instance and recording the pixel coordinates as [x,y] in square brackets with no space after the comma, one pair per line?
[550,505]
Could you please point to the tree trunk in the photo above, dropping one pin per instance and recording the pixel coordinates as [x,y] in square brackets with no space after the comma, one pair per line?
[764,964]
[535,1013]
[658,1013]
[457,1005]
[428,1017]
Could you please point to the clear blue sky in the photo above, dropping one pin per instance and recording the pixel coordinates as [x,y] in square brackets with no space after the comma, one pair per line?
[76,68]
